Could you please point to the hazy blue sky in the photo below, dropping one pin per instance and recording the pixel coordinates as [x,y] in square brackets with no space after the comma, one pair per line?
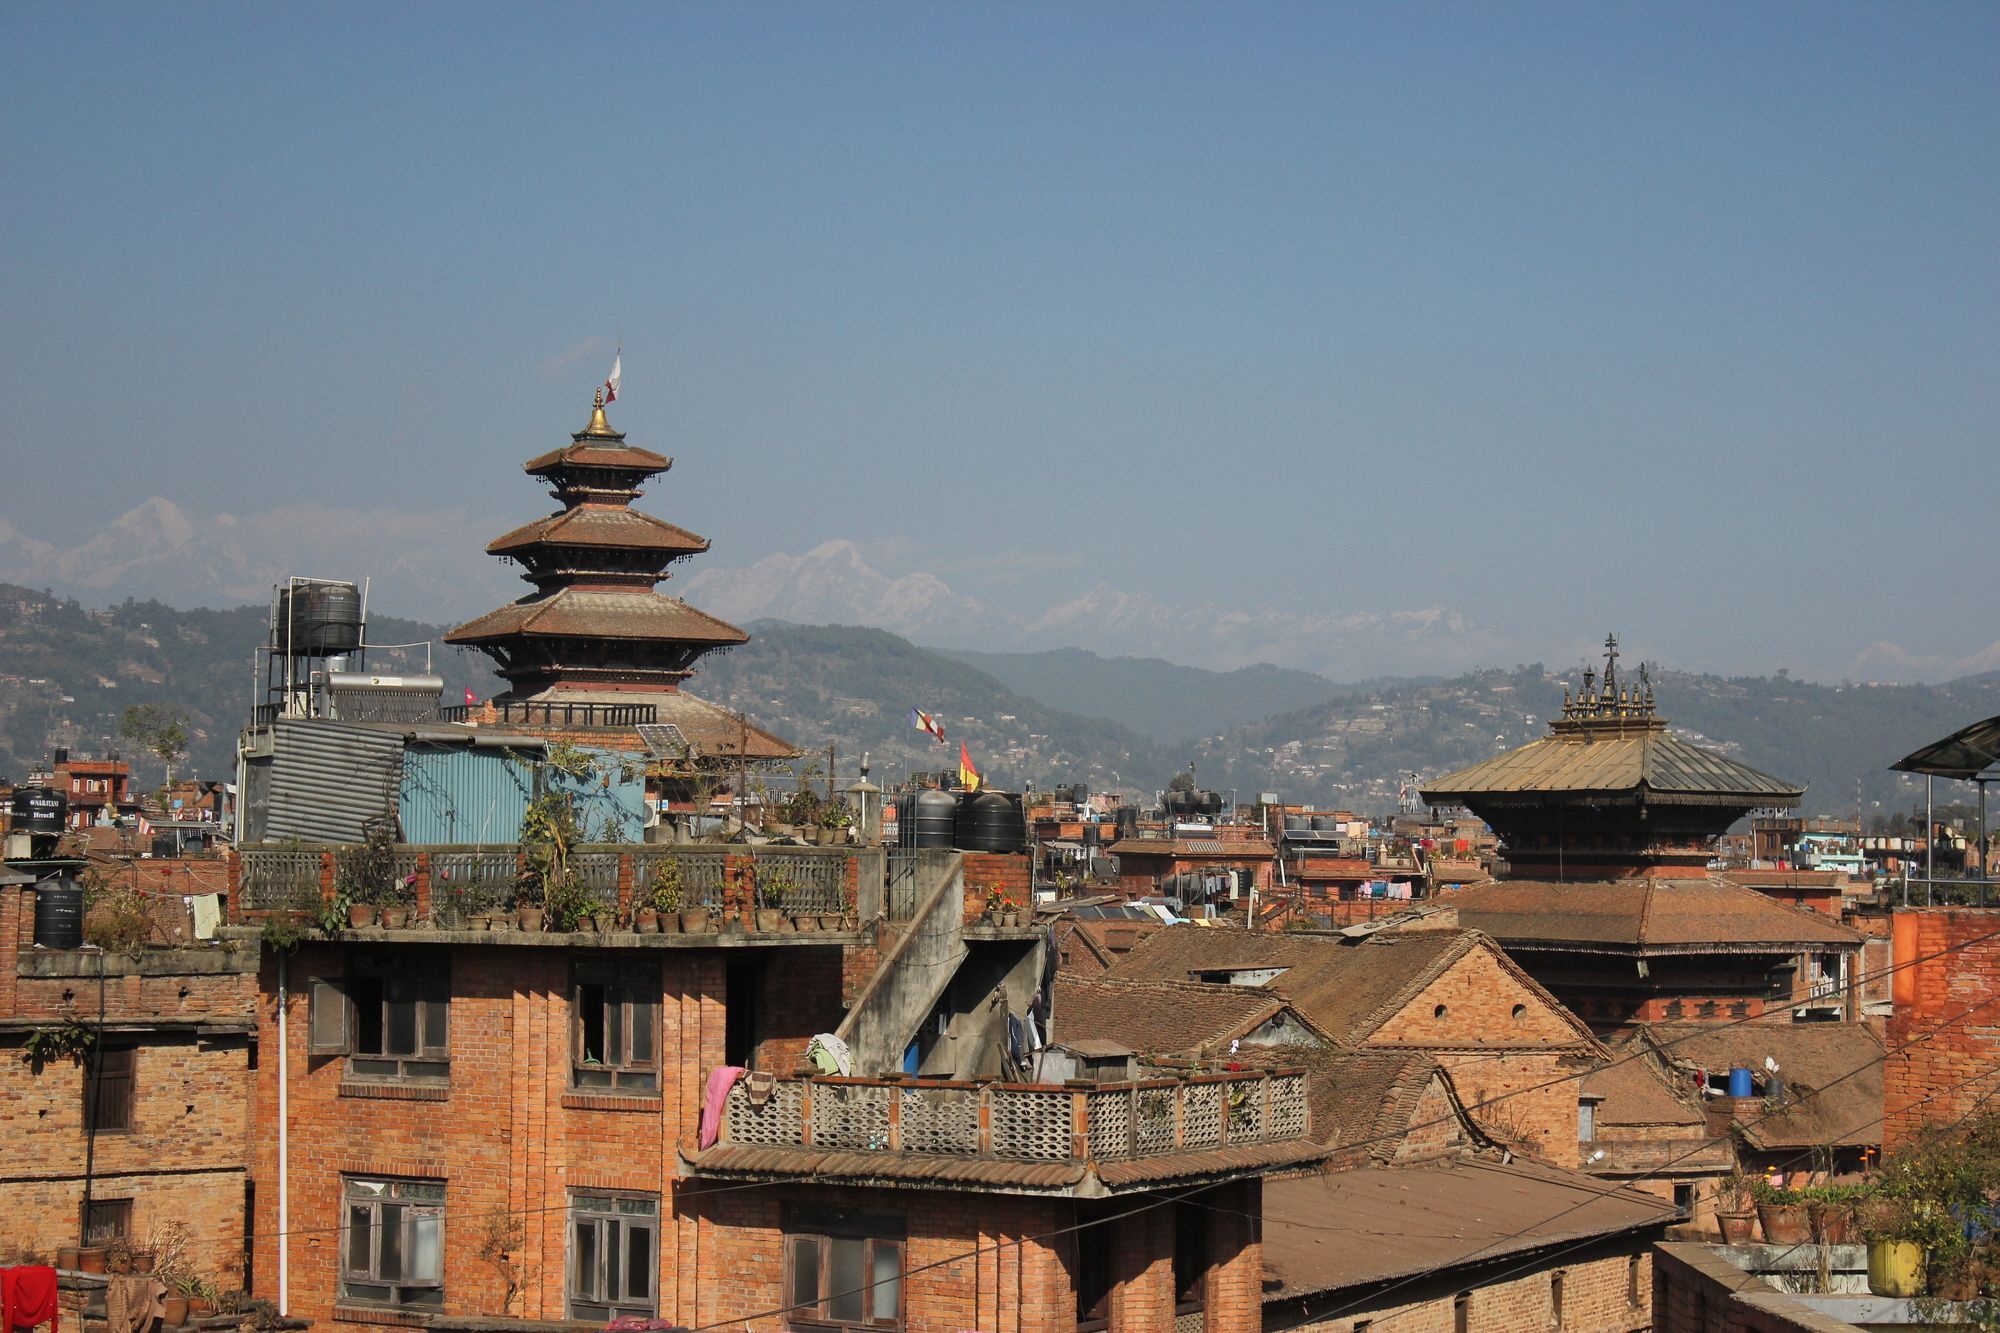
[1679,318]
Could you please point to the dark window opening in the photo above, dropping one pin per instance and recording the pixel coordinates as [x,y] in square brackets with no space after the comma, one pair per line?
[107,1220]
[1633,1294]
[739,1033]
[1190,1257]
[390,1028]
[614,1243]
[617,1041]
[110,1084]
[1093,1276]
[844,1268]
[1555,1300]
[1461,1312]
[393,1251]
[1684,1198]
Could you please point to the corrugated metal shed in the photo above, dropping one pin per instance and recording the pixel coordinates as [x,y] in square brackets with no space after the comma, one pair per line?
[611,799]
[455,794]
[328,779]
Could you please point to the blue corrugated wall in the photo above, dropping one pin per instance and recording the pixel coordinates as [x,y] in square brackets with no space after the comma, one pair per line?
[613,813]
[455,794]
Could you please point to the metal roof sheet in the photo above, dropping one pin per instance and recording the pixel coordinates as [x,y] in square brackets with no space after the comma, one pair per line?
[1638,760]
[1964,754]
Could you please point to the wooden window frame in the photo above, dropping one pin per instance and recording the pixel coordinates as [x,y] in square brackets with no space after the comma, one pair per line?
[111,1096]
[336,1023]
[106,1220]
[612,1215]
[818,1229]
[414,1202]
[625,998]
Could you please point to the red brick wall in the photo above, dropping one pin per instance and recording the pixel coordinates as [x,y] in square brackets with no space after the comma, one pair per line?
[510,1136]
[1008,872]
[1697,1291]
[1943,1060]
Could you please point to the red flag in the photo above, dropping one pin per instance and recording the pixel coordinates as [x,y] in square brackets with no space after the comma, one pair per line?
[469,700]
[968,776]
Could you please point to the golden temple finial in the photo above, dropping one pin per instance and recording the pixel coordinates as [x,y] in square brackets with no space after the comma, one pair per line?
[598,425]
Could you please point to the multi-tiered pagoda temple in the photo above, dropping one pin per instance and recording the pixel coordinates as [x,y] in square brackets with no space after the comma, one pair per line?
[596,642]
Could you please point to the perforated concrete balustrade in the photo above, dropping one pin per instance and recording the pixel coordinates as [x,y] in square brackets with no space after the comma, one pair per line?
[1024,1122]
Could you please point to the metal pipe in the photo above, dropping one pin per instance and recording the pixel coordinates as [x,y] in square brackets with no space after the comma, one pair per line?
[1930,838]
[284,1147]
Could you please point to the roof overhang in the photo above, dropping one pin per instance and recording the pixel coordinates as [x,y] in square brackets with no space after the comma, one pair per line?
[1963,755]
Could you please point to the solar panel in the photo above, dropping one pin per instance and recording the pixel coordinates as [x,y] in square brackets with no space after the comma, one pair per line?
[664,740]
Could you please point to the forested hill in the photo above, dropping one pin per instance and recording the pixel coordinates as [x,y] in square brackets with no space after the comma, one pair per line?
[1838,740]
[68,673]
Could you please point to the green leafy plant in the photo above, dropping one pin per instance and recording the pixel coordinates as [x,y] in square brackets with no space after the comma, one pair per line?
[772,889]
[116,918]
[1779,1196]
[366,873]
[666,892]
[68,1040]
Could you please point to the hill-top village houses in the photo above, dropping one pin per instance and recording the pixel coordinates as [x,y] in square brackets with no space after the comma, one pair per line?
[590,1004]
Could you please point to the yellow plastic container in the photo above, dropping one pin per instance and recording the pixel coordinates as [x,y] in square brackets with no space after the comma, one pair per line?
[1895,1267]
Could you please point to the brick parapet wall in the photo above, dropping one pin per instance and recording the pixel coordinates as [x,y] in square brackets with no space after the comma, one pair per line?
[1696,1290]
[1944,1031]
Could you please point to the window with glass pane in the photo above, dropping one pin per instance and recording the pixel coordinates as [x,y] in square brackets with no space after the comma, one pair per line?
[391,1021]
[617,1008]
[614,1245]
[393,1250]
[844,1268]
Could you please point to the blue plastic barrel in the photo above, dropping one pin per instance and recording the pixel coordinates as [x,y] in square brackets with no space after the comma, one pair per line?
[1739,1083]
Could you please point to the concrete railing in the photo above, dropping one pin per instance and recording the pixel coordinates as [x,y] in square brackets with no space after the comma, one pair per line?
[1023,1121]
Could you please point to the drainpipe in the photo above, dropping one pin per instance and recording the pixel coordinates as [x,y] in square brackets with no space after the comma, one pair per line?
[284,1149]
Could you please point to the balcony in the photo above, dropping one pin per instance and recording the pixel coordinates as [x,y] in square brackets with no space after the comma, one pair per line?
[1080,1139]
[463,894]
[555,714]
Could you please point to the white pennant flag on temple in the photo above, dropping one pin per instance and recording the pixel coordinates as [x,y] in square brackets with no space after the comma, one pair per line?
[611,381]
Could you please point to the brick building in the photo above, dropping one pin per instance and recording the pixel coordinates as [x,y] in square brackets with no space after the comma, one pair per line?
[151,1119]
[99,790]
[1944,1033]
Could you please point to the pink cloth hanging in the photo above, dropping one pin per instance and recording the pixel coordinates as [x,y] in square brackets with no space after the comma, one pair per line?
[720,1080]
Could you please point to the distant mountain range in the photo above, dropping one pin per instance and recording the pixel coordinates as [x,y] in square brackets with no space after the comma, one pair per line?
[834,582]
[66,674]
[432,561]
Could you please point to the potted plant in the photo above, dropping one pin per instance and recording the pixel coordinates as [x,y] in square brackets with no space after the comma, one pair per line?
[1782,1213]
[666,894]
[1734,1212]
[364,875]
[1897,1230]
[1831,1210]
[771,891]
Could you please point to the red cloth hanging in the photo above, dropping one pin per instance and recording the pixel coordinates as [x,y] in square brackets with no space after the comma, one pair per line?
[28,1298]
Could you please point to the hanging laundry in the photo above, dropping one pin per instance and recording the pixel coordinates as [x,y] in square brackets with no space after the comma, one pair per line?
[28,1298]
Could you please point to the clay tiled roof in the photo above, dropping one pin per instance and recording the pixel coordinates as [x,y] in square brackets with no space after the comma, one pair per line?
[1324,1233]
[1832,1074]
[627,613]
[1647,761]
[1645,914]
[710,729]
[1343,987]
[1631,1091]
[1364,1099]
[599,451]
[1158,1017]
[601,525]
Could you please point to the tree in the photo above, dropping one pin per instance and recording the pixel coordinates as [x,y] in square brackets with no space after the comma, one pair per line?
[1181,781]
[160,729]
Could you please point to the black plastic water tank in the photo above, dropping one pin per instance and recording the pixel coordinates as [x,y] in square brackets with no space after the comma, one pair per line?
[39,810]
[933,815]
[59,914]
[991,821]
[323,618]
[1325,824]
[1210,803]
[1298,824]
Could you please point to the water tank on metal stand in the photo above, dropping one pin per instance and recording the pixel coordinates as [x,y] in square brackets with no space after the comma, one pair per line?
[318,619]
[59,914]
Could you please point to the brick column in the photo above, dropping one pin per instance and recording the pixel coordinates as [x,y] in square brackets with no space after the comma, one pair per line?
[1235,1258]
[1142,1259]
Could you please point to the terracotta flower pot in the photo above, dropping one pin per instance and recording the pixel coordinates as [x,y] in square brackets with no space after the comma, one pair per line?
[176,1312]
[1784,1223]
[694,919]
[1736,1226]
[530,918]
[768,921]
[1831,1222]
[90,1259]
[361,915]
[646,921]
[200,1306]
[395,918]
[66,1257]
[805,923]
